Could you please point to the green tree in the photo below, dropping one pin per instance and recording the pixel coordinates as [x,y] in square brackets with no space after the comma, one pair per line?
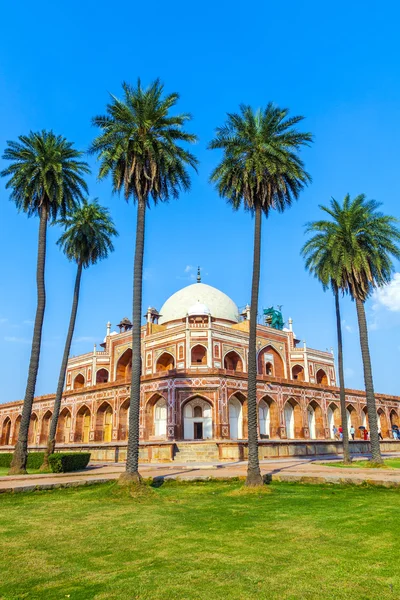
[261,170]
[139,146]
[87,239]
[45,178]
[324,263]
[362,241]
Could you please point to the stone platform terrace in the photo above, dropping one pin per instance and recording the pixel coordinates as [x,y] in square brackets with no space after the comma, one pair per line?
[302,470]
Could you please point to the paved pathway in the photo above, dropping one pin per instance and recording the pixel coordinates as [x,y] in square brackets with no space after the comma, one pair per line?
[306,470]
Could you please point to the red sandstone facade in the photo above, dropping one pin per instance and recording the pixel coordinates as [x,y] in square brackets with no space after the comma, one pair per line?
[194,383]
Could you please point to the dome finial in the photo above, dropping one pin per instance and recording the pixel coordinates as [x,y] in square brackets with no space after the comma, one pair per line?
[198,275]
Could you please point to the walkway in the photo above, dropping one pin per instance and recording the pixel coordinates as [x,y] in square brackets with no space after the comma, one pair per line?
[305,470]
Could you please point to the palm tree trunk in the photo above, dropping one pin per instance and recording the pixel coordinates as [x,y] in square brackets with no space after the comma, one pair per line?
[253,468]
[51,442]
[132,458]
[18,463]
[369,384]
[346,448]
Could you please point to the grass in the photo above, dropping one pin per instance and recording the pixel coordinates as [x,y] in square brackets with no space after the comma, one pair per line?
[391,463]
[201,541]
[4,471]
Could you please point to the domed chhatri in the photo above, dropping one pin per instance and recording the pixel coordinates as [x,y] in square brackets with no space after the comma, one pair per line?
[198,295]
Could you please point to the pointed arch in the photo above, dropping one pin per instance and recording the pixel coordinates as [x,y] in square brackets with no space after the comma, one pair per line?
[352,419]
[165,362]
[382,423]
[5,439]
[79,382]
[268,418]
[321,377]
[104,422]
[198,355]
[17,425]
[33,429]
[64,426]
[298,373]
[45,428]
[124,366]
[197,417]
[233,361]
[123,423]
[315,421]
[82,424]
[333,417]
[293,419]
[270,362]
[394,417]
[102,375]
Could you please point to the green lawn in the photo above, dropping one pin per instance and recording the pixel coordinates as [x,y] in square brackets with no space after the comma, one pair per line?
[4,471]
[201,541]
[392,463]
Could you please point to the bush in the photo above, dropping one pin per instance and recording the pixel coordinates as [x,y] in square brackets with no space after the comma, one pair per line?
[64,462]
[34,461]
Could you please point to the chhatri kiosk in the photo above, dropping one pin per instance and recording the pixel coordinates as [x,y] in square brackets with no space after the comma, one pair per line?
[194,388]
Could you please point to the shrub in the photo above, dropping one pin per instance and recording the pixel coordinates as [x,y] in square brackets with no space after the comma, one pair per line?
[64,462]
[34,461]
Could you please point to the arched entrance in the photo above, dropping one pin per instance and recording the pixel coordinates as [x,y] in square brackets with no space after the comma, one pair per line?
[124,366]
[160,418]
[64,427]
[124,420]
[264,419]
[382,423]
[102,376]
[198,355]
[293,420]
[45,430]
[17,425]
[321,377]
[315,421]
[311,422]
[352,420]
[394,418]
[364,418]
[233,362]
[197,420]
[79,382]
[33,429]
[270,362]
[333,416]
[298,373]
[235,419]
[5,432]
[82,426]
[104,423]
[165,362]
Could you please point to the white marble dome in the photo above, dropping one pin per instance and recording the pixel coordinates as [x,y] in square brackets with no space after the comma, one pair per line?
[196,296]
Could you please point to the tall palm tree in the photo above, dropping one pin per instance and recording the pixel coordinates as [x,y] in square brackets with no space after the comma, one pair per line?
[87,238]
[45,178]
[139,146]
[261,170]
[362,241]
[319,253]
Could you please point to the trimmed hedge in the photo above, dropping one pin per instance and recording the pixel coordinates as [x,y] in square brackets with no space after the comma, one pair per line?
[64,462]
[35,460]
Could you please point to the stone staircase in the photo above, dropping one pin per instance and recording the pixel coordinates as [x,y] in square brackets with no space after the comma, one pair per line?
[196,452]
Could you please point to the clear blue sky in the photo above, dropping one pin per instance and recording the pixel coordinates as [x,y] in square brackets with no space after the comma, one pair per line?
[337,64]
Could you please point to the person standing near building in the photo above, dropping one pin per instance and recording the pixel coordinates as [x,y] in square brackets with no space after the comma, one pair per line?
[340,432]
[335,432]
[352,432]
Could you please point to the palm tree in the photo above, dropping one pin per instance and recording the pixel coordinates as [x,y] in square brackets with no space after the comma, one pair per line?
[319,254]
[362,241]
[86,240]
[139,146]
[45,181]
[260,169]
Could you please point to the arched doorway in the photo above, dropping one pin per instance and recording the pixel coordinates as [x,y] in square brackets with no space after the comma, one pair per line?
[382,423]
[233,362]
[352,420]
[160,418]
[79,382]
[315,421]
[394,418]
[364,418]
[124,420]
[165,362]
[333,416]
[293,420]
[270,362]
[311,422]
[264,419]
[33,429]
[104,422]
[17,425]
[102,376]
[322,377]
[235,418]
[5,432]
[198,355]
[124,366]
[45,430]
[197,420]
[298,373]
[82,425]
[64,427]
